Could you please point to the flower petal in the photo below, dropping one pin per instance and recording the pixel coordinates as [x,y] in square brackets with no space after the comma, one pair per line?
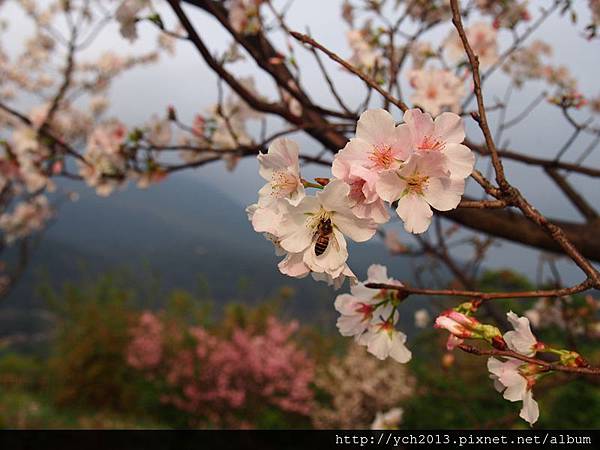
[390,186]
[450,128]
[459,160]
[444,194]
[376,126]
[415,212]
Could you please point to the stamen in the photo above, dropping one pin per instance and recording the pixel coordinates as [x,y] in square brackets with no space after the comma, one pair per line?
[382,157]
[431,143]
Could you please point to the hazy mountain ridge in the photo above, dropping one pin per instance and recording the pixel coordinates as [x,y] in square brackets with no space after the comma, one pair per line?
[182,230]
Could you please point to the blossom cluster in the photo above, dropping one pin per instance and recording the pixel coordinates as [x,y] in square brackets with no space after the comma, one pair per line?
[360,389]
[418,165]
[219,379]
[513,377]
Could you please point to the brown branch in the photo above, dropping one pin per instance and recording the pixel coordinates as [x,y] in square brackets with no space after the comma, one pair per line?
[515,227]
[535,161]
[482,116]
[578,201]
[369,81]
[406,290]
[509,191]
[262,52]
[548,366]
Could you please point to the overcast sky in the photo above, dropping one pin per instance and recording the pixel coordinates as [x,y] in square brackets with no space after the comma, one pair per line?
[185,81]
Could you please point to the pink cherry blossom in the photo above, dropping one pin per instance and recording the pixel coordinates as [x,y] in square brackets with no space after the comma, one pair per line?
[436,90]
[419,185]
[444,135]
[483,41]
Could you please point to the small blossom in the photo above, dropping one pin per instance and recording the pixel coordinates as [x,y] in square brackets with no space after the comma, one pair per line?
[390,420]
[244,16]
[359,310]
[436,90]
[301,225]
[126,15]
[521,340]
[280,167]
[383,340]
[421,184]
[483,41]
[458,324]
[508,378]
[422,318]
[444,135]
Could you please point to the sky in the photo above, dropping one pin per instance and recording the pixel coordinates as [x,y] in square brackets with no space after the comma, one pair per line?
[185,82]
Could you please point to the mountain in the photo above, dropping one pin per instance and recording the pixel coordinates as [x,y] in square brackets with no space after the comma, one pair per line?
[184,231]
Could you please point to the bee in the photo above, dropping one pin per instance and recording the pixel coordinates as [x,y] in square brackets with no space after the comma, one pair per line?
[323,233]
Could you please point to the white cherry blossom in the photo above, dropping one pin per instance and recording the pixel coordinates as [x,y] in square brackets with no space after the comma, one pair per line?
[360,308]
[299,228]
[388,421]
[383,341]
[516,387]
[126,15]
[521,340]
[280,167]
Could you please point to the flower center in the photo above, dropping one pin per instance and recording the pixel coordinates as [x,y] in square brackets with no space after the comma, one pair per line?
[365,310]
[318,218]
[431,92]
[431,143]
[382,157]
[416,183]
[283,184]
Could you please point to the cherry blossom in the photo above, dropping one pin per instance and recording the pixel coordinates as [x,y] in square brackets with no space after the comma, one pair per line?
[159,132]
[444,135]
[244,16]
[508,378]
[436,90]
[104,163]
[521,340]
[280,167]
[422,318]
[364,305]
[388,421]
[299,228]
[421,184]
[126,15]
[457,323]
[370,316]
[383,341]
[364,54]
[483,41]
[27,218]
[378,146]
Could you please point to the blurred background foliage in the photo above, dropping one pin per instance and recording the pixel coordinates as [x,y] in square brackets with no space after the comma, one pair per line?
[88,369]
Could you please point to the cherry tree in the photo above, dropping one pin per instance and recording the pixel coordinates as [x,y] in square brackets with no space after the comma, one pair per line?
[400,154]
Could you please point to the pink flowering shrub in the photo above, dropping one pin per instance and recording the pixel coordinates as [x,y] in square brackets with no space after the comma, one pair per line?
[225,381]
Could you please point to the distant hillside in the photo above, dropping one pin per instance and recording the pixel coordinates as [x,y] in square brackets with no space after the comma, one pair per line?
[185,232]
